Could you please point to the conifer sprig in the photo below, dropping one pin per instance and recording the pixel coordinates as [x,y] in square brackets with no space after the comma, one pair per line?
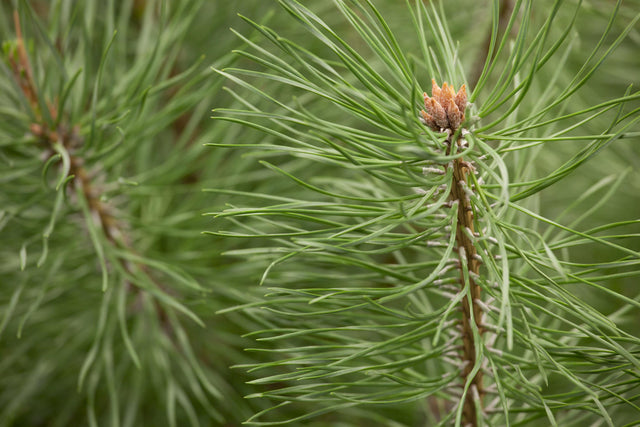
[103,271]
[406,224]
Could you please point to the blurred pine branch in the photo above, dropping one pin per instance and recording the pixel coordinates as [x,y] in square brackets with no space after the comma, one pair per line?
[108,288]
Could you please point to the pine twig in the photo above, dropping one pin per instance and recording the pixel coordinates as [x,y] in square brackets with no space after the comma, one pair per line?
[69,137]
[444,112]
[471,311]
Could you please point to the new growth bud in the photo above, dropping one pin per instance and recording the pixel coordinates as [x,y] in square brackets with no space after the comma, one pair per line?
[444,109]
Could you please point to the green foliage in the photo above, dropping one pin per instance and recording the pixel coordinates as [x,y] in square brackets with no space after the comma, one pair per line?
[334,197]
[108,287]
[365,279]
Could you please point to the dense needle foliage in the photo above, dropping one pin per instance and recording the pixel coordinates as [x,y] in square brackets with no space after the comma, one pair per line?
[419,266]
[108,287]
[381,246]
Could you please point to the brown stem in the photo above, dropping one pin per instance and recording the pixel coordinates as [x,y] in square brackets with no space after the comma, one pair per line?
[471,313]
[506,7]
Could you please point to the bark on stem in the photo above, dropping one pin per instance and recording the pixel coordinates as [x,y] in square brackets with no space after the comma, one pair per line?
[444,111]
[461,170]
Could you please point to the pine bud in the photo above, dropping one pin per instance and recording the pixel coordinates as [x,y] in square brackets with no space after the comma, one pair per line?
[444,109]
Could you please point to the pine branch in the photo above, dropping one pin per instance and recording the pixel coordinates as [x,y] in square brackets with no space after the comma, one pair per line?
[65,139]
[445,111]
[107,282]
[393,233]
[424,259]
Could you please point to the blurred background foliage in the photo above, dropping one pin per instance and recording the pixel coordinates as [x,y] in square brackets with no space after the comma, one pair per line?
[108,289]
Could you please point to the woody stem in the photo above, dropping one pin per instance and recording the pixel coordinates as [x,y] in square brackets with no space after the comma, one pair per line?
[471,311]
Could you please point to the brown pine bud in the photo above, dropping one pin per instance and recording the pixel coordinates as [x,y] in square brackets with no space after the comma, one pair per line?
[444,109]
